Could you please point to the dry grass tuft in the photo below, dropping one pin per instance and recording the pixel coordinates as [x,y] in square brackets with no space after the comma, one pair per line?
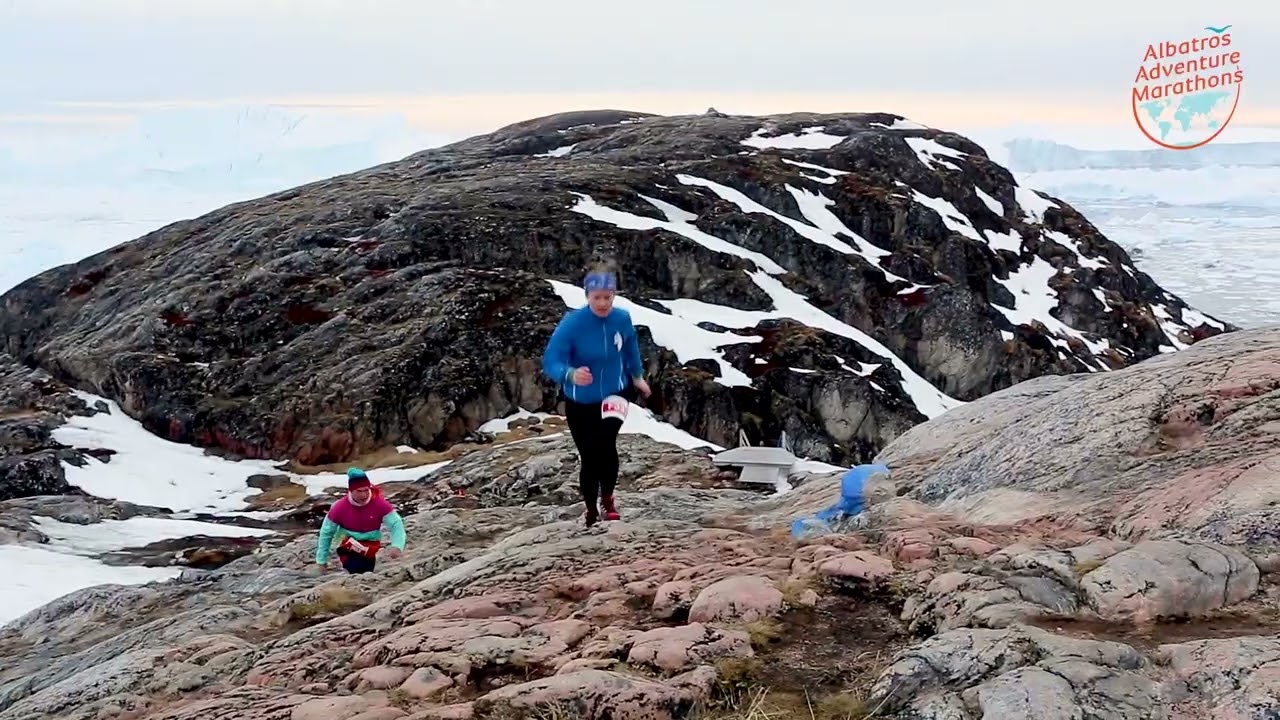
[329,603]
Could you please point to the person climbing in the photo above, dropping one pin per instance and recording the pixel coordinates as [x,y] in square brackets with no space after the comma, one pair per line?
[594,356]
[357,520]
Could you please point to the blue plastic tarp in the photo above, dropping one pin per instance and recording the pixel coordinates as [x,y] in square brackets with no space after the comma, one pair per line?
[850,503]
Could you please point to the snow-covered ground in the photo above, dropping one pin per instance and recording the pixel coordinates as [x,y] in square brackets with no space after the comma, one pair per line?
[148,470]
[1205,230]
[38,575]
[145,470]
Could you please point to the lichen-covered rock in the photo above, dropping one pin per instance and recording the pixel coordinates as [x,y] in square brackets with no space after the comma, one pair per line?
[1017,672]
[1185,444]
[1166,579]
[1101,580]
[681,648]
[32,405]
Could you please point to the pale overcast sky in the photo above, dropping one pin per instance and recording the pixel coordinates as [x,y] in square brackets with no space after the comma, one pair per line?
[1064,53]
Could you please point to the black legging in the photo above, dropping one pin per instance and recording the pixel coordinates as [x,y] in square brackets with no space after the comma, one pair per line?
[597,442]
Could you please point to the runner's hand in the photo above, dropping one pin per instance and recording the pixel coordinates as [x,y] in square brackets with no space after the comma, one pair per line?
[394,553]
[582,376]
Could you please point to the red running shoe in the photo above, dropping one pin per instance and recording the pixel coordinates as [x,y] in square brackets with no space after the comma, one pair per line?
[610,509]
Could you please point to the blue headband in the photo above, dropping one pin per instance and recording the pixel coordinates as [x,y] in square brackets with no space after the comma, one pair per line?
[600,281]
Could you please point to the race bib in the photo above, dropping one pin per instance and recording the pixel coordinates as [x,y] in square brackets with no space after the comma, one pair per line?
[368,549]
[614,407]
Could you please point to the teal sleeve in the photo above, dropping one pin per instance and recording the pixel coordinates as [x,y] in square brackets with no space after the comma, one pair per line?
[395,524]
[327,529]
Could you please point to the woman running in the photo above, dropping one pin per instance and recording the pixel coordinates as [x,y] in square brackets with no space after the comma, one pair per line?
[595,357]
[357,521]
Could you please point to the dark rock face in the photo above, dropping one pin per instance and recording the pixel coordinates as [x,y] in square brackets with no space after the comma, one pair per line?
[16,515]
[410,302]
[32,406]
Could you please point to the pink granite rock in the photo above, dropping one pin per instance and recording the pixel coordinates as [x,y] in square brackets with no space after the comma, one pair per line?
[741,599]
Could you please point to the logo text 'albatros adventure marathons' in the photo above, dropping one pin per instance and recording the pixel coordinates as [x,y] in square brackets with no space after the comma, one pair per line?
[1187,91]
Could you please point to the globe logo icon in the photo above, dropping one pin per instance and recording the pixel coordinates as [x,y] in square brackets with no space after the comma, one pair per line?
[1186,91]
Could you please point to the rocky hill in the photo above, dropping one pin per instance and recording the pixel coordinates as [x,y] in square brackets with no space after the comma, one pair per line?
[1097,546]
[840,278]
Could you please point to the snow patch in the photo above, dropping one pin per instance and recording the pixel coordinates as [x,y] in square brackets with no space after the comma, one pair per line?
[672,213]
[1195,318]
[814,207]
[1033,299]
[814,467]
[958,222]
[112,535]
[812,138]
[996,206]
[1032,204]
[1005,240]
[832,173]
[810,166]
[681,335]
[1170,327]
[1102,298]
[558,152]
[952,218]
[790,304]
[642,421]
[1070,243]
[689,341]
[37,575]
[932,152]
[863,369]
[901,124]
[149,470]
[677,222]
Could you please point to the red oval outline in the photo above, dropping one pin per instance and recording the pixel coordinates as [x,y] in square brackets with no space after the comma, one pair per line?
[1133,104]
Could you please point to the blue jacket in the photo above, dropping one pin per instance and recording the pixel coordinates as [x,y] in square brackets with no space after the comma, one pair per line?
[607,346]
